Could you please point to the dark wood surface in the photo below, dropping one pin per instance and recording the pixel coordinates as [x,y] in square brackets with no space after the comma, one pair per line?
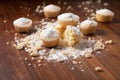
[14,68]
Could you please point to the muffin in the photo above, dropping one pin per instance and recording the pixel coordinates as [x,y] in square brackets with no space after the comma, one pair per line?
[104,15]
[68,19]
[72,35]
[60,28]
[51,11]
[50,37]
[22,24]
[88,27]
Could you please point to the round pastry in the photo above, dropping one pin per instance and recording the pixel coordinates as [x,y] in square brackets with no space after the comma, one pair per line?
[51,11]
[68,19]
[22,24]
[60,28]
[104,15]
[88,26]
[50,37]
[72,35]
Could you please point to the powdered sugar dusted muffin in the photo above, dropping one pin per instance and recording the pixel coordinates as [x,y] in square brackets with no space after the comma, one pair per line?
[50,37]
[88,26]
[104,15]
[22,24]
[51,10]
[68,19]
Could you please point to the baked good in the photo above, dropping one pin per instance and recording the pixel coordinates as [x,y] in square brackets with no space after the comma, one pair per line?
[68,19]
[88,26]
[50,37]
[51,11]
[60,28]
[22,24]
[104,15]
[72,35]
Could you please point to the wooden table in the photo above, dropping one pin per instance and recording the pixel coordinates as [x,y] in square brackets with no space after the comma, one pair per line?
[14,68]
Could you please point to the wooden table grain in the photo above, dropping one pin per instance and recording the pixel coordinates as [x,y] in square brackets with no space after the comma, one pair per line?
[14,68]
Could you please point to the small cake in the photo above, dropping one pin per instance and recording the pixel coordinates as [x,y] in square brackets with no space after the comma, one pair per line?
[50,37]
[60,28]
[72,35]
[68,19]
[51,11]
[88,26]
[104,15]
[22,24]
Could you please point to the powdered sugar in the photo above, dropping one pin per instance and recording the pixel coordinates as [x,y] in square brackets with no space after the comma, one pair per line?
[52,8]
[23,21]
[87,23]
[49,34]
[68,17]
[105,12]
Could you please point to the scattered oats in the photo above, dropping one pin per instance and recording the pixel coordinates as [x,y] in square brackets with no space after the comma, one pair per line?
[59,2]
[82,70]
[107,49]
[25,8]
[7,43]
[43,4]
[92,18]
[88,55]
[98,45]
[21,7]
[72,68]
[79,6]
[32,58]
[19,46]
[26,59]
[16,34]
[53,20]
[39,65]
[6,31]
[28,8]
[83,3]
[88,10]
[79,62]
[108,42]
[52,51]
[33,54]
[106,4]
[85,8]
[39,61]
[38,7]
[98,52]
[99,1]
[28,15]
[91,10]
[69,8]
[29,64]
[88,18]
[98,69]
[92,14]
[34,65]
[5,21]
[88,52]
[41,57]
[65,3]
[40,11]
[101,39]
[75,62]
[92,6]
[88,2]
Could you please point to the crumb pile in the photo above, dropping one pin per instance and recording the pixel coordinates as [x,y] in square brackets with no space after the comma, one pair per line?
[34,46]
